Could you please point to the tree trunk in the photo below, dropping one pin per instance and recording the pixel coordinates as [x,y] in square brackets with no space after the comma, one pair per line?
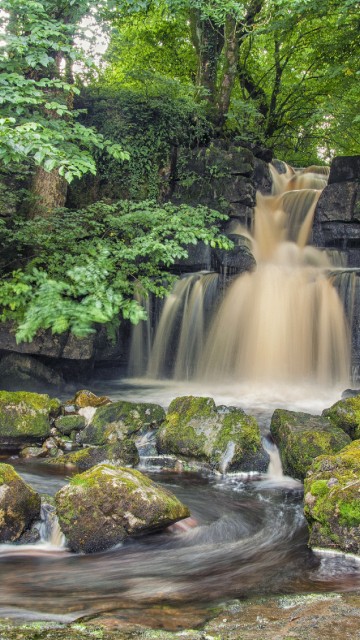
[207,40]
[49,190]
[231,55]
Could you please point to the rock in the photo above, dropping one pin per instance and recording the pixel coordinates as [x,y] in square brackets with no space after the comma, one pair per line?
[225,437]
[121,453]
[345,414]
[262,177]
[69,423]
[32,452]
[17,370]
[350,393]
[332,500]
[120,420]
[86,398]
[302,437]
[19,504]
[238,259]
[103,506]
[344,169]
[25,418]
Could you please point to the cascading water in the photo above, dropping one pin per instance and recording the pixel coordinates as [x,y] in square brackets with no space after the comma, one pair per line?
[283,322]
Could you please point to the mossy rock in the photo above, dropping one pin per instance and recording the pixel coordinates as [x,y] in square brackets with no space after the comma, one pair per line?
[302,437]
[103,506]
[332,500]
[121,453]
[120,420]
[25,417]
[19,504]
[67,424]
[345,415]
[84,398]
[196,428]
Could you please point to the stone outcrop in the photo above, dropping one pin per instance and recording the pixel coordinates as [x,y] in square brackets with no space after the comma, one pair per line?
[225,437]
[121,453]
[25,418]
[302,437]
[332,504]
[103,506]
[337,215]
[19,505]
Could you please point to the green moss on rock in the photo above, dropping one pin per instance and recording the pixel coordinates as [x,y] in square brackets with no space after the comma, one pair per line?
[345,415]
[332,500]
[196,428]
[302,437]
[25,417]
[19,504]
[104,505]
[121,453]
[121,419]
[67,424]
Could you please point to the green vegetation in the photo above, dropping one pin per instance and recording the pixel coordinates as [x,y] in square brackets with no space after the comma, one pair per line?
[175,75]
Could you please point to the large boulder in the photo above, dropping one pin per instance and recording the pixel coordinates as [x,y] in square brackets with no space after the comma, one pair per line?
[103,506]
[119,420]
[224,437]
[332,500]
[302,437]
[25,418]
[345,414]
[19,504]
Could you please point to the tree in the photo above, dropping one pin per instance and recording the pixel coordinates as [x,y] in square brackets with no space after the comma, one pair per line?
[83,267]
[37,88]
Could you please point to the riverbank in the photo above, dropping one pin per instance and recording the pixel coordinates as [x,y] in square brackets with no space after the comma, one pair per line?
[301,617]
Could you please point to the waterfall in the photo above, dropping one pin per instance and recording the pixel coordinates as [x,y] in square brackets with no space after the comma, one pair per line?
[140,340]
[284,322]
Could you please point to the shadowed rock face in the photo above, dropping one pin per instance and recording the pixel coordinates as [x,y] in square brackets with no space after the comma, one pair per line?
[332,505]
[106,504]
[19,504]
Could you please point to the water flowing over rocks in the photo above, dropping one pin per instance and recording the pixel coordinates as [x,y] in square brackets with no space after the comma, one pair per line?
[19,504]
[25,418]
[302,437]
[225,437]
[345,414]
[332,500]
[103,506]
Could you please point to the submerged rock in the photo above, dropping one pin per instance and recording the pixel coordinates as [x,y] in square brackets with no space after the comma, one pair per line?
[101,507]
[120,420]
[19,504]
[332,500]
[121,453]
[225,437]
[25,418]
[345,414]
[301,437]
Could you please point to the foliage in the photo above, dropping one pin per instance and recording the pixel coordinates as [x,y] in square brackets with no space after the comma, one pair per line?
[84,267]
[37,120]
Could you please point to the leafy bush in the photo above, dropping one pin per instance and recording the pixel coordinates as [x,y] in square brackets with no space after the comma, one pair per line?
[83,267]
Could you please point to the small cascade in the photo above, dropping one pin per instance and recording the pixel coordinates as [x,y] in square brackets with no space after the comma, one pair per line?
[347,283]
[49,528]
[140,345]
[179,338]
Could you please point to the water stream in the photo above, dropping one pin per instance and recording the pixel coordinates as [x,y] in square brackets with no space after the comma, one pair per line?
[279,338]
